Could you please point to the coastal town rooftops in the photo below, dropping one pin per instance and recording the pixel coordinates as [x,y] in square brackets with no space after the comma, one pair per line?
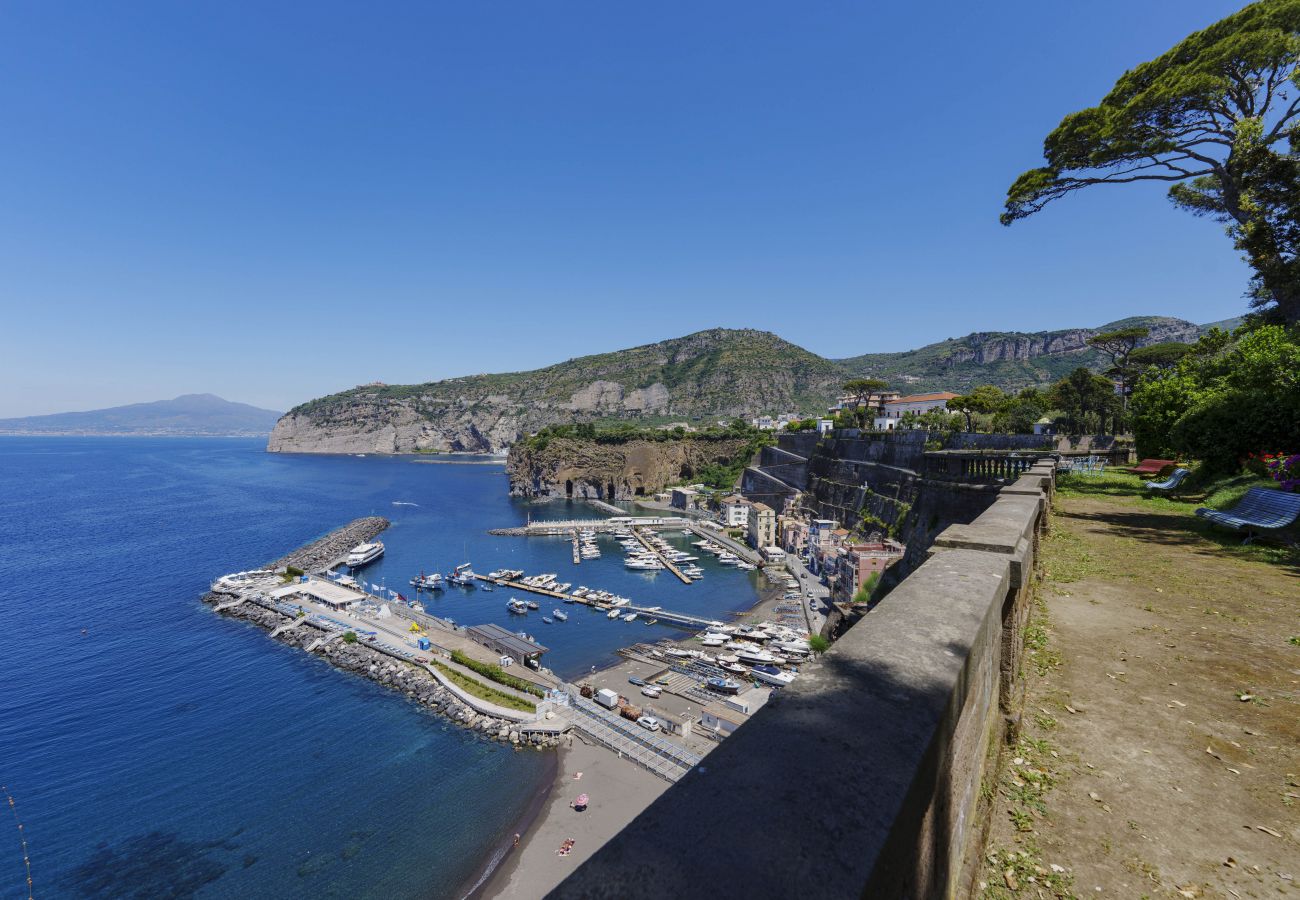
[761,507]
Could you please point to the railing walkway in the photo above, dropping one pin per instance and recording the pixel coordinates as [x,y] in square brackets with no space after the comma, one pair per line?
[646,748]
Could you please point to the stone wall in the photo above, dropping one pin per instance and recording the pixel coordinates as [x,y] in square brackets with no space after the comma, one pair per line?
[863,778]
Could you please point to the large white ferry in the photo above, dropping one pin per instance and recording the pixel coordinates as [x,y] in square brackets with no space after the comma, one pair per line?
[363,554]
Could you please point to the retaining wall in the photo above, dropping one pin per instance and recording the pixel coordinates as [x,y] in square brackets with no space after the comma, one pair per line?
[863,778]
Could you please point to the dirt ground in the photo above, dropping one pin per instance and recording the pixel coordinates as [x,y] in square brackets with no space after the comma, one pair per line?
[1160,748]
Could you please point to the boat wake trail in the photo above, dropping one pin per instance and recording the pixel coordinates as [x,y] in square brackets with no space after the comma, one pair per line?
[404,503]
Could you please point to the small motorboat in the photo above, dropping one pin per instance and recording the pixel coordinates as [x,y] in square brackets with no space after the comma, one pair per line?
[723,685]
[548,620]
[518,607]
[630,617]
[612,614]
[532,604]
[560,615]
[652,621]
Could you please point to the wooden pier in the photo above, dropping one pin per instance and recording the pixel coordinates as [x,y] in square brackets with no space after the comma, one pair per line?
[668,564]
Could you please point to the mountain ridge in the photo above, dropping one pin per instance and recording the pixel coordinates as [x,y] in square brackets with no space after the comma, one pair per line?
[188,414]
[708,375]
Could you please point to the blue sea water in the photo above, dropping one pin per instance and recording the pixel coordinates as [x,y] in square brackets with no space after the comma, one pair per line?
[154,749]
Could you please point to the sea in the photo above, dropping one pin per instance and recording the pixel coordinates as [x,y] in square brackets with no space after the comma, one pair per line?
[154,749]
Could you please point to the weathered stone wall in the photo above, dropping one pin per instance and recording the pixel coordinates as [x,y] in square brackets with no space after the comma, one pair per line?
[863,778]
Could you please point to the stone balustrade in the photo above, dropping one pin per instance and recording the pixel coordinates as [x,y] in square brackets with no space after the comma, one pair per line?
[863,778]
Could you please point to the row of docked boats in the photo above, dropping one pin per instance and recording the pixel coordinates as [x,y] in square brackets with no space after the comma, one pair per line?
[587,547]
[724,556]
[523,607]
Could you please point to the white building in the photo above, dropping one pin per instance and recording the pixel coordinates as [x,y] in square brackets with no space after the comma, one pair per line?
[916,403]
[735,512]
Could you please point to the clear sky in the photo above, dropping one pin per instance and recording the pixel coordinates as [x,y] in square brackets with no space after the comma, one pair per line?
[272,201]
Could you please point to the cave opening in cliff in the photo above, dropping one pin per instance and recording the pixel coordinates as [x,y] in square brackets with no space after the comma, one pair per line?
[568,488]
[610,491]
[640,491]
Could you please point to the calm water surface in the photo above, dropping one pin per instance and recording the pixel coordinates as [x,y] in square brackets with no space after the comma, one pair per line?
[154,749]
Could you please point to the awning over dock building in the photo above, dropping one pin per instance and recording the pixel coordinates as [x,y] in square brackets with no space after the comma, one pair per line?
[504,642]
[334,596]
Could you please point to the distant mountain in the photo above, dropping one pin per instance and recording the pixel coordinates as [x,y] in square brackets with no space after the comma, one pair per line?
[189,414]
[710,375]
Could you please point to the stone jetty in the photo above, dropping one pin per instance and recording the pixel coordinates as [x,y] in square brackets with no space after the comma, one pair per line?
[327,551]
[414,681]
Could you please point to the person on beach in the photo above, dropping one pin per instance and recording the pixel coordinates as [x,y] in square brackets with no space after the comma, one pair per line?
[516,840]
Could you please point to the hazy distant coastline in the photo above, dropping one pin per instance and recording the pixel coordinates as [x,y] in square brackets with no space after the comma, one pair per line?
[189,415]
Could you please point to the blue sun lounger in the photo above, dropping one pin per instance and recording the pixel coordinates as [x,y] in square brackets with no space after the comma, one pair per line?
[1171,483]
[1260,509]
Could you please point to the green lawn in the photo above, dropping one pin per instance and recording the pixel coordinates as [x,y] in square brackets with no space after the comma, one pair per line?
[482,691]
[1123,488]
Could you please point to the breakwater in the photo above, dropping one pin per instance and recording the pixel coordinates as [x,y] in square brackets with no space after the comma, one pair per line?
[416,682]
[327,551]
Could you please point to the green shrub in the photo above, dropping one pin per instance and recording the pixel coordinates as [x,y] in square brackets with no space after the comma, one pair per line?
[496,673]
[818,644]
[482,691]
[349,637]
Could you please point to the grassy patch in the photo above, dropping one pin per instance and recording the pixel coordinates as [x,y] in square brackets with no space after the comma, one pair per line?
[497,674]
[478,689]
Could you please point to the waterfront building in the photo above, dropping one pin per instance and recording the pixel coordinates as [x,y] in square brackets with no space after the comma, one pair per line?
[735,512]
[858,562]
[684,498]
[504,642]
[335,596]
[762,526]
[794,535]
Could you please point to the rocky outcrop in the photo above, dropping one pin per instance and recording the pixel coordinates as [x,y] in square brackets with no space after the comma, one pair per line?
[587,469]
[985,349]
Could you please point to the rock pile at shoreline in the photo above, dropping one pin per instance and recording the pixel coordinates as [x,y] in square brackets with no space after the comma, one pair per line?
[414,681]
[319,554]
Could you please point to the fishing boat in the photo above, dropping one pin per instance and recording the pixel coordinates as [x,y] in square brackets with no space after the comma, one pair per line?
[532,604]
[723,685]
[735,668]
[518,607]
[548,620]
[612,614]
[630,617]
[560,615]
[430,582]
[463,575]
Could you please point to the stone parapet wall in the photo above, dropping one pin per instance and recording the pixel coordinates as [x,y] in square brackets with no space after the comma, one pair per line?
[863,778]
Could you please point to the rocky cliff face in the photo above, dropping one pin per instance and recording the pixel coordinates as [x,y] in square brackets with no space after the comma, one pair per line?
[985,349]
[569,468]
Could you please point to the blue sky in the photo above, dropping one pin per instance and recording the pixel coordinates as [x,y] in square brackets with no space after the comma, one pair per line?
[271,201]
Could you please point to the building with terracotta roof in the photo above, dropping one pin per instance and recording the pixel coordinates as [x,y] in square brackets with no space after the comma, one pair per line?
[914,403]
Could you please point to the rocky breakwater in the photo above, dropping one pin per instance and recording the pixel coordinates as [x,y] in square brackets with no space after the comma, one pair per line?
[414,681]
[578,469]
[320,554]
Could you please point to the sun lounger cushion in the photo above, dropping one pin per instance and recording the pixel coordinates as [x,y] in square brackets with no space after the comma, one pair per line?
[1259,508]
[1171,482]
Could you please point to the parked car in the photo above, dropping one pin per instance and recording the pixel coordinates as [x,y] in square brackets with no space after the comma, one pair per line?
[650,723]
[639,682]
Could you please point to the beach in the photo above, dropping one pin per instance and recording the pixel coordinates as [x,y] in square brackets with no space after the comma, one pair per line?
[617,790]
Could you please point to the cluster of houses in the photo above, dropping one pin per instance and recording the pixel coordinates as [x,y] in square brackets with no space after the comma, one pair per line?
[830,552]
[892,406]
